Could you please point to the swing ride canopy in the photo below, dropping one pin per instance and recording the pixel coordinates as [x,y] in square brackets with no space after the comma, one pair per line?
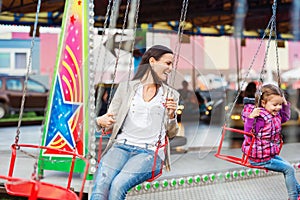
[218,15]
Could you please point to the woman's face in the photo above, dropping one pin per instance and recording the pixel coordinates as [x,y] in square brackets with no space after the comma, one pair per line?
[162,66]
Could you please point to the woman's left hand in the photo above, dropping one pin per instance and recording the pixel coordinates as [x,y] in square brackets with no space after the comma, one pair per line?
[171,105]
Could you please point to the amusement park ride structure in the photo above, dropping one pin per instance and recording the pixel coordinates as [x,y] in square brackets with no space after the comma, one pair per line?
[68,142]
[205,17]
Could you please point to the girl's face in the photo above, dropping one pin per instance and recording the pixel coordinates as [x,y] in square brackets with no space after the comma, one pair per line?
[162,66]
[273,104]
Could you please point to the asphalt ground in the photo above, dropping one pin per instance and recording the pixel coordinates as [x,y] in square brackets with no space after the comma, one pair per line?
[196,174]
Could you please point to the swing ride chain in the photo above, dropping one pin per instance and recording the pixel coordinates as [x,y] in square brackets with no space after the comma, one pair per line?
[118,54]
[276,45]
[102,38]
[17,137]
[133,42]
[119,50]
[112,9]
[273,24]
[98,105]
[175,59]
[178,43]
[179,35]
[270,24]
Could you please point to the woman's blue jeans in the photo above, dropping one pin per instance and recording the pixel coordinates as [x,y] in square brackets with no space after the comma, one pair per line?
[120,169]
[278,164]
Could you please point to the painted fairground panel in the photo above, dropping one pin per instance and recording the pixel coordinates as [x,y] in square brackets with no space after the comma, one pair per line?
[66,125]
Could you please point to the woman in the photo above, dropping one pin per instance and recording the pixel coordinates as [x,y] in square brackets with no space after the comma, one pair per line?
[141,113]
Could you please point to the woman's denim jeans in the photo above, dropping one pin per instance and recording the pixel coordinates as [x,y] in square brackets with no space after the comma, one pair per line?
[278,164]
[120,169]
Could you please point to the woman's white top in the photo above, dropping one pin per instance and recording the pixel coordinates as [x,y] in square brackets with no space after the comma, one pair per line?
[144,121]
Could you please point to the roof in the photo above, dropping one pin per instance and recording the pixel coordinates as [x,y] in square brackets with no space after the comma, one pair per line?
[219,14]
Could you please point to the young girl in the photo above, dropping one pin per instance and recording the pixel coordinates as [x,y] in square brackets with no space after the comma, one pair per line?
[265,120]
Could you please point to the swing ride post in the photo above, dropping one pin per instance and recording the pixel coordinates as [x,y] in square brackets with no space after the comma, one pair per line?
[84,177]
[246,156]
[12,160]
[71,170]
[159,146]
[155,158]
[34,191]
[221,141]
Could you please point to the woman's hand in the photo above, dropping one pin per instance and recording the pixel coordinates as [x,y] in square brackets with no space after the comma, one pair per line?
[171,106]
[106,120]
[254,113]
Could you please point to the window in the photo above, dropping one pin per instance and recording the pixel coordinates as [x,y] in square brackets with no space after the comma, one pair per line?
[4,60]
[13,84]
[20,60]
[13,60]
[33,86]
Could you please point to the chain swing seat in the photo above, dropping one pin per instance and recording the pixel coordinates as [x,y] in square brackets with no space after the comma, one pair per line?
[158,147]
[243,160]
[36,189]
[103,135]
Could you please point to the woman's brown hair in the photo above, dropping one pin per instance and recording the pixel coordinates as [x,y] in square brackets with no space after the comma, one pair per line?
[156,51]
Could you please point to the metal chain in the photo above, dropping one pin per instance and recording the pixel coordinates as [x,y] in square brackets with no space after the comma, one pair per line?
[276,47]
[179,37]
[28,67]
[36,156]
[109,8]
[176,58]
[272,30]
[118,53]
[102,37]
[27,74]
[269,26]
[133,43]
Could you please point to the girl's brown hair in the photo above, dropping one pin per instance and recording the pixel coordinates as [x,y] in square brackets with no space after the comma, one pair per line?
[265,92]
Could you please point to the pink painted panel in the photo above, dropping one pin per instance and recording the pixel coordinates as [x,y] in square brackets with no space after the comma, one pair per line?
[18,35]
[246,54]
[294,54]
[48,51]
[191,54]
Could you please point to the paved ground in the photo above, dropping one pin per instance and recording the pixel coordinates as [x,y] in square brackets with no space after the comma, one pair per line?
[260,188]
[197,174]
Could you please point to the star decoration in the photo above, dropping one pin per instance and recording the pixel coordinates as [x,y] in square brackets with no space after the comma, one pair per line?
[61,113]
[73,19]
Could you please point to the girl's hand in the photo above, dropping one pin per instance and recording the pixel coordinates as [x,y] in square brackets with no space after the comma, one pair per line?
[106,120]
[284,101]
[171,106]
[254,113]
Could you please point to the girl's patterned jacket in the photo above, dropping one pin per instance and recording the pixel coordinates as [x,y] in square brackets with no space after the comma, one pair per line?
[267,131]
